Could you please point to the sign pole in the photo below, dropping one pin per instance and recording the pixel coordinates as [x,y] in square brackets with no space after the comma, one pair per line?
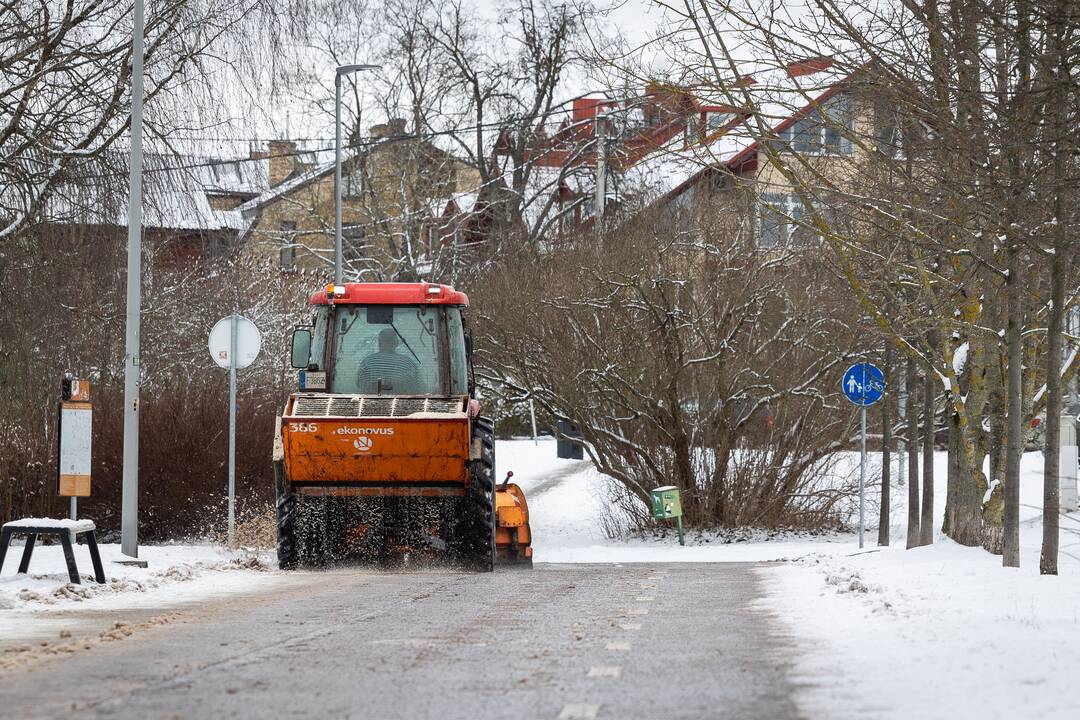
[532,414]
[862,481]
[864,385]
[234,344]
[233,332]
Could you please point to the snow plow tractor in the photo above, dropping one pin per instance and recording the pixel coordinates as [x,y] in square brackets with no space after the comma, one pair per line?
[381,454]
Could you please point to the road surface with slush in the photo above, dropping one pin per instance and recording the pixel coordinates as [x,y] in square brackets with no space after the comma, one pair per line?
[648,641]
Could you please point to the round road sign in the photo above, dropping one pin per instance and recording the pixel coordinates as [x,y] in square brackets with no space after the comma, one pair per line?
[248,341]
[863,384]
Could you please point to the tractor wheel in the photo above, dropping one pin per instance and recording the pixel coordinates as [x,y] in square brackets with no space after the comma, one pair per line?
[313,514]
[474,534]
[287,549]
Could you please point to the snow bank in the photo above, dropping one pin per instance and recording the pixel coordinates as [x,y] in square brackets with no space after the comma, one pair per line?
[173,573]
[935,632]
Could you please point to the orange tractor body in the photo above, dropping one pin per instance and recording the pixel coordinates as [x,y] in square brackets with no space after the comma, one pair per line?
[385,411]
[391,456]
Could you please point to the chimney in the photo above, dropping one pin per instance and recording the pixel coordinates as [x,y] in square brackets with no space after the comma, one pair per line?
[283,161]
[394,127]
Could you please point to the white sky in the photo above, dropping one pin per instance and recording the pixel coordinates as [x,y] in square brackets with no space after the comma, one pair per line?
[636,20]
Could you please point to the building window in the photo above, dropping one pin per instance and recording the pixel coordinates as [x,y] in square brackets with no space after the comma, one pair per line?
[352,184]
[896,136]
[888,138]
[652,114]
[287,252]
[782,221]
[778,220]
[822,131]
[717,120]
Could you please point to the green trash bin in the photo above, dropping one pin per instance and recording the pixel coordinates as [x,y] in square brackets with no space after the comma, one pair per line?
[667,504]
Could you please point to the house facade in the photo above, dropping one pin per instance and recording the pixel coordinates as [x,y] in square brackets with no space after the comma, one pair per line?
[806,133]
[395,188]
[711,159]
[189,205]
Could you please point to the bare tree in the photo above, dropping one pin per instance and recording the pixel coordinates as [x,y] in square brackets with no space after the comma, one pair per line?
[65,74]
[683,360]
[1056,70]
[509,98]
[926,518]
[951,163]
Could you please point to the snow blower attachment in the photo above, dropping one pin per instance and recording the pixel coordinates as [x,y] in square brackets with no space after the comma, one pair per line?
[513,537]
[382,453]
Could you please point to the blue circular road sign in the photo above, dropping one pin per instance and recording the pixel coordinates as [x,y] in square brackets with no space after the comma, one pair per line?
[863,384]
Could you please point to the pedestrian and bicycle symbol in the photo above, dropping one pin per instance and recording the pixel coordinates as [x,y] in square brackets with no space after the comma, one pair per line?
[863,384]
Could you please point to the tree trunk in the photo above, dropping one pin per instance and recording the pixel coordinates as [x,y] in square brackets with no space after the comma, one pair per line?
[954,475]
[912,457]
[886,450]
[1014,443]
[1052,452]
[993,507]
[926,520]
[1059,266]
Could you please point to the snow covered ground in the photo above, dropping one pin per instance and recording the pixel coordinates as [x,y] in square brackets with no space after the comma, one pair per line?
[568,499]
[43,601]
[937,632]
[941,631]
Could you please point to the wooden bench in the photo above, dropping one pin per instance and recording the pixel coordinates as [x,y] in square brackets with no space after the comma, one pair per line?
[67,530]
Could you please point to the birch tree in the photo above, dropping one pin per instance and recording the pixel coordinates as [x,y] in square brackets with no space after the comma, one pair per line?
[963,146]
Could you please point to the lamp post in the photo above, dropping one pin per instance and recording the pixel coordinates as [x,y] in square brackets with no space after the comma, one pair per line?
[341,71]
[129,507]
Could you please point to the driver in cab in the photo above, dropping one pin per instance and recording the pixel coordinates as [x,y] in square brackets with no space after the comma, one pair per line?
[387,370]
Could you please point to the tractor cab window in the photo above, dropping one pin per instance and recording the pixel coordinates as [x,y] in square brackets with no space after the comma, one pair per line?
[393,350]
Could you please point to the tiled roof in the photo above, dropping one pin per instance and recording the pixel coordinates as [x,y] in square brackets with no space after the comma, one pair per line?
[175,194]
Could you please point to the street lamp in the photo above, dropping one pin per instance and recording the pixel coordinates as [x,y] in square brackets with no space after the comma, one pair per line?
[341,71]
[129,503]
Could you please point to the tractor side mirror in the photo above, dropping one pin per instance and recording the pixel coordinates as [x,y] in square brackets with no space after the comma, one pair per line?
[301,348]
[468,344]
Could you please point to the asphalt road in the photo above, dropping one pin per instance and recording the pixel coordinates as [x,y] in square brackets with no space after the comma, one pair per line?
[560,641]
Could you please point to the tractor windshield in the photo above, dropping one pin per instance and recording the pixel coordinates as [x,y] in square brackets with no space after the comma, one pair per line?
[397,350]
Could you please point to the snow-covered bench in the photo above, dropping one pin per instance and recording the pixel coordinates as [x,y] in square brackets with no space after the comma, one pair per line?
[67,530]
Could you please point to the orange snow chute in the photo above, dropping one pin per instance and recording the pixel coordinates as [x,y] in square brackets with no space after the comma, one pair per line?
[513,537]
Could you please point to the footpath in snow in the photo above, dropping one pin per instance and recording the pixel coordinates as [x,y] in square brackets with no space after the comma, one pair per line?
[936,632]
[569,501]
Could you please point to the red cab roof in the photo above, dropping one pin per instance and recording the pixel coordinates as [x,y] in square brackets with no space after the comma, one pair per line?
[391,294]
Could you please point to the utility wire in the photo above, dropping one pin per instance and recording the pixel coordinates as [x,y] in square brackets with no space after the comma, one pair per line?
[364,144]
